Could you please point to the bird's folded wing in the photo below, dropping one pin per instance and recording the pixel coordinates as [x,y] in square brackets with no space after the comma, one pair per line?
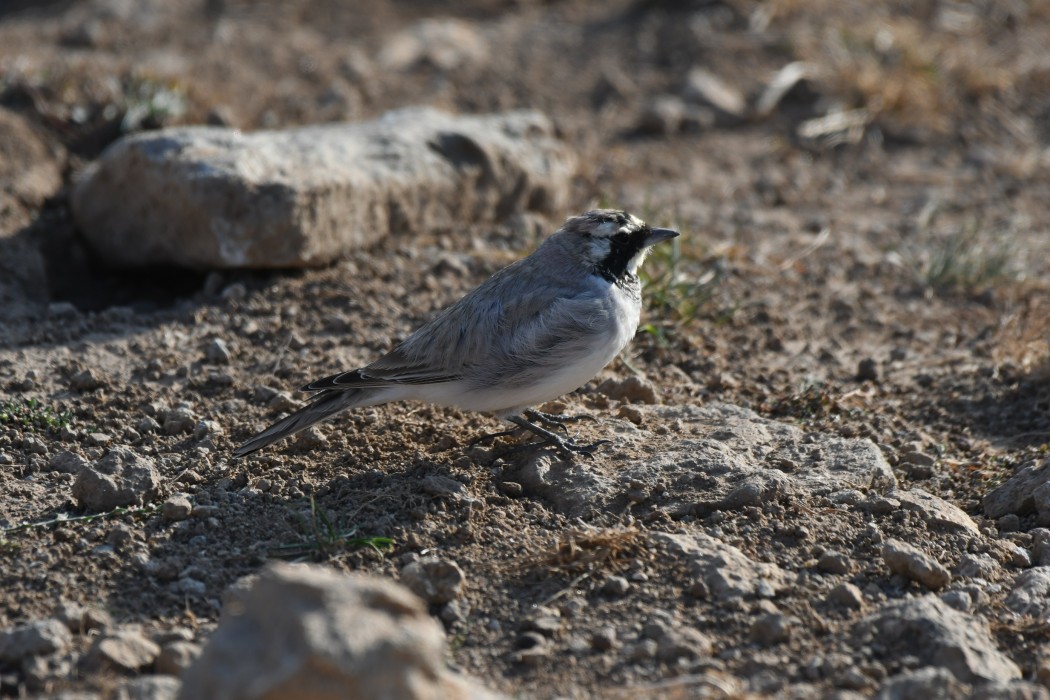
[376,378]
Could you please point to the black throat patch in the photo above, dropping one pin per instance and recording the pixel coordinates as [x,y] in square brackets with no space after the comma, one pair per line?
[622,247]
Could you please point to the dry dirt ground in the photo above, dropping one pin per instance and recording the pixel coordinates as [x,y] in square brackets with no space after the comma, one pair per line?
[886,281]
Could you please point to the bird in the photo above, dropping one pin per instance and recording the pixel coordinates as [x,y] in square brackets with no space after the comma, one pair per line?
[537,329]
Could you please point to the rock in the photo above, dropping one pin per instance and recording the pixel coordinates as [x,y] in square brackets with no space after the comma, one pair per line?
[604,639]
[1012,690]
[218,352]
[86,380]
[847,595]
[302,631]
[180,419]
[927,629]
[928,683]
[867,370]
[210,197]
[433,579]
[722,458]
[121,478]
[787,79]
[148,688]
[662,115]
[176,507]
[977,566]
[67,462]
[633,389]
[834,562]
[37,638]
[911,562]
[30,169]
[443,43]
[120,651]
[615,586]
[938,513]
[726,571]
[82,618]
[675,642]
[176,656]
[1031,593]
[1017,495]
[772,628]
[706,88]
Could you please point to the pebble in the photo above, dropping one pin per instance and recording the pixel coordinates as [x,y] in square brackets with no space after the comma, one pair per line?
[434,579]
[914,564]
[604,639]
[34,639]
[633,389]
[175,656]
[218,352]
[867,370]
[176,507]
[179,420]
[149,688]
[960,600]
[146,425]
[82,618]
[834,562]
[616,586]
[85,380]
[772,628]
[121,651]
[847,595]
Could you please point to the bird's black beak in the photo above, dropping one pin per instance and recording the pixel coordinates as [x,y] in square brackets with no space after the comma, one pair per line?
[659,235]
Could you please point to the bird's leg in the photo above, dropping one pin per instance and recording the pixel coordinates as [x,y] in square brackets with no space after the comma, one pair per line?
[564,445]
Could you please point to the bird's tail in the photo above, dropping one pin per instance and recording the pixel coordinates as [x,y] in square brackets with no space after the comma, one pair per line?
[321,408]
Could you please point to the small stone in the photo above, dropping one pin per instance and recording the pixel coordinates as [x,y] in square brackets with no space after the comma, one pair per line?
[146,425]
[913,563]
[85,380]
[511,488]
[633,389]
[218,352]
[977,566]
[662,115]
[282,402]
[834,562]
[98,439]
[918,458]
[616,586]
[121,478]
[149,688]
[960,600]
[1009,523]
[121,651]
[772,628]
[547,625]
[604,639]
[867,370]
[67,462]
[206,428]
[80,618]
[177,507]
[38,638]
[433,579]
[176,656]
[641,651]
[847,595]
[179,420]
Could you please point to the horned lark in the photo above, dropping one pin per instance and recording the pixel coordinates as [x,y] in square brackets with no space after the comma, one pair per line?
[535,330]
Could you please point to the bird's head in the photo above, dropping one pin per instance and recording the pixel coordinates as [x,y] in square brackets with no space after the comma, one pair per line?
[612,242]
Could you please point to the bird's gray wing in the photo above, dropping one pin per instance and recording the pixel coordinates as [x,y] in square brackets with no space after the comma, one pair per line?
[519,311]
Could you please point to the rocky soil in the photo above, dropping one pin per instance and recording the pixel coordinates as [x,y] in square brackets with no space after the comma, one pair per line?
[828,470]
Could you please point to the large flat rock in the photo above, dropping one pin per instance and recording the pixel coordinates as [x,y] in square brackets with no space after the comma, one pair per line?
[207,197]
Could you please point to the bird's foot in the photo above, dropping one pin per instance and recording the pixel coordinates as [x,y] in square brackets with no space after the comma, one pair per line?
[552,420]
[565,446]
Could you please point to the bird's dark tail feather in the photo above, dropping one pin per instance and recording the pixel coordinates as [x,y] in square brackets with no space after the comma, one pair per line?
[321,408]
